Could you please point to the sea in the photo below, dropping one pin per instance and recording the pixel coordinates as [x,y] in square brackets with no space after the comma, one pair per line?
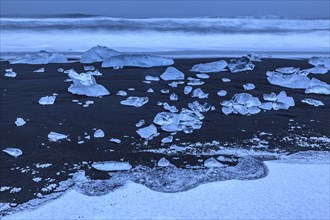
[176,36]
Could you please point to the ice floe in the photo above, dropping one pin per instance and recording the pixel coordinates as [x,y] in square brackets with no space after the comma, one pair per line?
[172,73]
[15,152]
[41,70]
[136,60]
[47,100]
[240,64]
[98,54]
[85,84]
[148,132]
[135,101]
[43,57]
[211,67]
[20,122]
[249,86]
[99,133]
[111,166]
[313,102]
[54,136]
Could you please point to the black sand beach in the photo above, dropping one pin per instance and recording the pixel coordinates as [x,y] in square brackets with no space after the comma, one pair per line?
[286,129]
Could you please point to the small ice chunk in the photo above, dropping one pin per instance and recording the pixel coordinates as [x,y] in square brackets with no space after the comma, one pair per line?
[80,142]
[15,152]
[222,93]
[165,91]
[41,70]
[227,110]
[122,93]
[20,122]
[211,67]
[199,93]
[213,163]
[10,73]
[37,179]
[166,118]
[47,100]
[320,69]
[240,64]
[202,76]
[195,82]
[174,97]
[150,90]
[283,98]
[287,70]
[140,123]
[148,132]
[54,136]
[270,97]
[135,101]
[89,68]
[97,54]
[266,106]
[95,73]
[60,70]
[152,78]
[168,139]
[170,108]
[136,60]
[99,133]
[225,80]
[249,86]
[254,57]
[172,73]
[115,140]
[187,90]
[163,162]
[313,102]
[85,84]
[111,166]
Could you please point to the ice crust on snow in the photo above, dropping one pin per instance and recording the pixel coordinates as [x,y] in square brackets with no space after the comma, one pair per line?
[135,101]
[85,84]
[148,132]
[240,64]
[212,67]
[171,73]
[111,166]
[15,152]
[313,102]
[136,60]
[20,122]
[54,136]
[43,57]
[98,54]
[47,100]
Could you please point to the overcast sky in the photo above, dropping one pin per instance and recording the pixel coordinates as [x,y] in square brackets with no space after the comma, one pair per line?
[169,8]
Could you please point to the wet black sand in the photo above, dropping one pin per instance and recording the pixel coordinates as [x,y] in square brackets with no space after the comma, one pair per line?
[20,95]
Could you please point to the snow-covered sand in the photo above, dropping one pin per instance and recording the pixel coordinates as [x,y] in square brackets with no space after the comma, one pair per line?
[290,191]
